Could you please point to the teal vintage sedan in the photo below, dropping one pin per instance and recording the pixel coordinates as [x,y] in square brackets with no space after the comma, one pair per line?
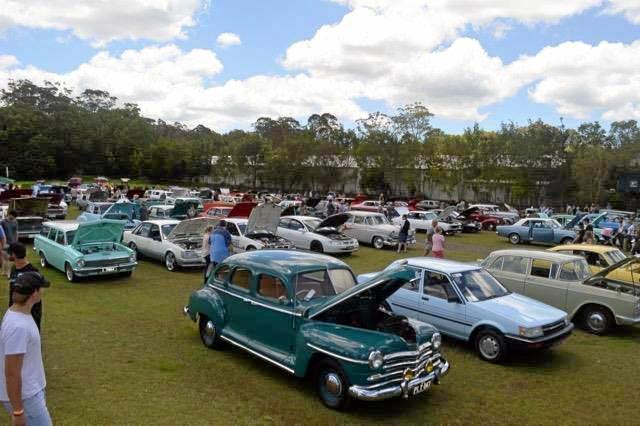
[303,313]
[85,249]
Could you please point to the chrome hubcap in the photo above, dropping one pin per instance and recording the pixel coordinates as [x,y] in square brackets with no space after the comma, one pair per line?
[333,384]
[596,321]
[210,329]
[514,238]
[169,262]
[489,347]
[42,261]
[69,273]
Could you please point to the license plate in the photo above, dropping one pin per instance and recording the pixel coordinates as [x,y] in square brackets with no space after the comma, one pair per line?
[110,269]
[421,387]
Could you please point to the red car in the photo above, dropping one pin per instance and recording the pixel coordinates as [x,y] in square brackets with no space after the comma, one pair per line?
[367,206]
[484,217]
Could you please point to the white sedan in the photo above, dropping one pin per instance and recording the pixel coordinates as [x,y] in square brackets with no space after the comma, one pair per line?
[259,231]
[422,221]
[323,236]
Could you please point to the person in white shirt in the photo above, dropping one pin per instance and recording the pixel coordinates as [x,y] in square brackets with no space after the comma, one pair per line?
[22,380]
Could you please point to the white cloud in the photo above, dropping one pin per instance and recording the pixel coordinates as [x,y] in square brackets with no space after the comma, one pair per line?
[629,8]
[171,84]
[228,39]
[579,79]
[103,21]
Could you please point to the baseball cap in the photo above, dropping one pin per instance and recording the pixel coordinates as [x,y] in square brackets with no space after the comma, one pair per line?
[28,282]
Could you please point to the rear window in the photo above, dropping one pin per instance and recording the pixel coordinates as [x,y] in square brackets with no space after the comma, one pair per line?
[543,268]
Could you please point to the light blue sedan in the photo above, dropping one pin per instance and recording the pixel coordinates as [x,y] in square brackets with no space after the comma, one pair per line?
[536,230]
[466,302]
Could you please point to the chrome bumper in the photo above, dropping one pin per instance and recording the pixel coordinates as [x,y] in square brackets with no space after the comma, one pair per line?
[620,320]
[404,388]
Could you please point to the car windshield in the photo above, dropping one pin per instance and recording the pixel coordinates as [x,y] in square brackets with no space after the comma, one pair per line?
[479,285]
[312,223]
[166,229]
[378,220]
[555,223]
[103,207]
[242,227]
[70,235]
[323,283]
[614,256]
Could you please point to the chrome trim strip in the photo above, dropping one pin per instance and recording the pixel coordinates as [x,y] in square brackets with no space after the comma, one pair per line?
[425,356]
[259,355]
[408,353]
[622,320]
[255,303]
[344,358]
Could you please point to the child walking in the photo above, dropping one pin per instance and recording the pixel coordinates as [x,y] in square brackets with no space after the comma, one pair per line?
[438,243]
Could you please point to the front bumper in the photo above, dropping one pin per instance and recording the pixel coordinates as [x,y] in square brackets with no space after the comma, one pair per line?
[393,242]
[191,262]
[620,320]
[105,270]
[540,342]
[404,389]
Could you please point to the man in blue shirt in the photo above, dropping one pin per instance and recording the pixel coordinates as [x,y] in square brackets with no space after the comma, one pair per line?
[220,242]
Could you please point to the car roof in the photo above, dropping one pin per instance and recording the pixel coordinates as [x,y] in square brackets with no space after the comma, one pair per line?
[585,247]
[299,217]
[64,225]
[441,265]
[284,262]
[363,213]
[162,221]
[545,255]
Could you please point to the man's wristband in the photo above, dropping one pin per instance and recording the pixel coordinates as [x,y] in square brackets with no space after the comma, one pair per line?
[18,413]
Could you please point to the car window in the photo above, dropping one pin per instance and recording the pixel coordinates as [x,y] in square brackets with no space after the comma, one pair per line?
[295,225]
[221,273]
[526,223]
[143,231]
[154,232]
[241,279]
[496,264]
[45,231]
[233,230]
[436,285]
[414,285]
[323,283]
[60,238]
[568,272]
[543,268]
[70,236]
[359,220]
[167,228]
[478,285]
[515,264]
[284,223]
[52,234]
[270,287]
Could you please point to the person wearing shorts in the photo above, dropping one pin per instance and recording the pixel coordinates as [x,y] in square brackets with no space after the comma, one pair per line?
[428,242]
[438,244]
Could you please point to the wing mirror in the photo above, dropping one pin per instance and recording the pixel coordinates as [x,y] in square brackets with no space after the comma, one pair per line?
[284,300]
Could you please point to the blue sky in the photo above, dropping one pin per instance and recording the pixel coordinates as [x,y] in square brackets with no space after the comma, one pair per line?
[366,61]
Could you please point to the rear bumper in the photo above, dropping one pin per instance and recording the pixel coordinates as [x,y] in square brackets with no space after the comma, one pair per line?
[404,389]
[518,342]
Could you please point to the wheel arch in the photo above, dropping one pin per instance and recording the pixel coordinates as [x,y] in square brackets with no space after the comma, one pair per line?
[579,311]
[208,302]
[485,325]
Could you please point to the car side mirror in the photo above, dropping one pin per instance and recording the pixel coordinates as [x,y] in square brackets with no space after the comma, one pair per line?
[284,300]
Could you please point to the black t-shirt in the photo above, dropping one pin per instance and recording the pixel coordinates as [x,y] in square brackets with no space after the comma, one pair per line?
[405,227]
[15,272]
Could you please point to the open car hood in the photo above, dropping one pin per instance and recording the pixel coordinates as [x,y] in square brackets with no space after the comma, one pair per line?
[334,221]
[29,206]
[604,272]
[100,231]
[264,217]
[191,227]
[242,209]
[373,291]
[469,211]
[446,213]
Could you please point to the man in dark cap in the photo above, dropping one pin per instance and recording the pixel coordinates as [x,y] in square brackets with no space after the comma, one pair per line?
[18,255]
[22,379]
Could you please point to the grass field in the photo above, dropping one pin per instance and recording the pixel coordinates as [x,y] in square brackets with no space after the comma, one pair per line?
[121,352]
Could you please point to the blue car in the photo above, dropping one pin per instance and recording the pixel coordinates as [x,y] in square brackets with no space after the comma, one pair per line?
[536,230]
[466,302]
[126,211]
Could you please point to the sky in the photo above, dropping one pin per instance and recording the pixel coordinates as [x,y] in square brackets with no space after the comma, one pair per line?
[225,63]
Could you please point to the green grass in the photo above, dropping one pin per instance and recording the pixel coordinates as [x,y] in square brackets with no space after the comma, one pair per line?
[119,351]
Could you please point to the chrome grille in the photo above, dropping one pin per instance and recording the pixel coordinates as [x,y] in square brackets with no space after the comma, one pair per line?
[553,327]
[106,262]
[397,363]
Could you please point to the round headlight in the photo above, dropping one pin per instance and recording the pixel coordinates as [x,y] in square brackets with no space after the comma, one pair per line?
[132,258]
[81,263]
[436,341]
[376,359]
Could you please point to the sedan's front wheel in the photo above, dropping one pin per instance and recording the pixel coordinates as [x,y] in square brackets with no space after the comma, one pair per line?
[43,260]
[597,320]
[68,272]
[378,243]
[490,346]
[514,238]
[332,385]
[170,262]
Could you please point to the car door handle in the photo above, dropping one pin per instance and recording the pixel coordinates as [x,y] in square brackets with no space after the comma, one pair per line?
[425,298]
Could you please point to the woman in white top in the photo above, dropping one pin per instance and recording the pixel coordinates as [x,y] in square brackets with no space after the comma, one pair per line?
[206,247]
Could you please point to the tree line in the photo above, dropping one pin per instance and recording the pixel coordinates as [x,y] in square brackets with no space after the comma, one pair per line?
[47,132]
